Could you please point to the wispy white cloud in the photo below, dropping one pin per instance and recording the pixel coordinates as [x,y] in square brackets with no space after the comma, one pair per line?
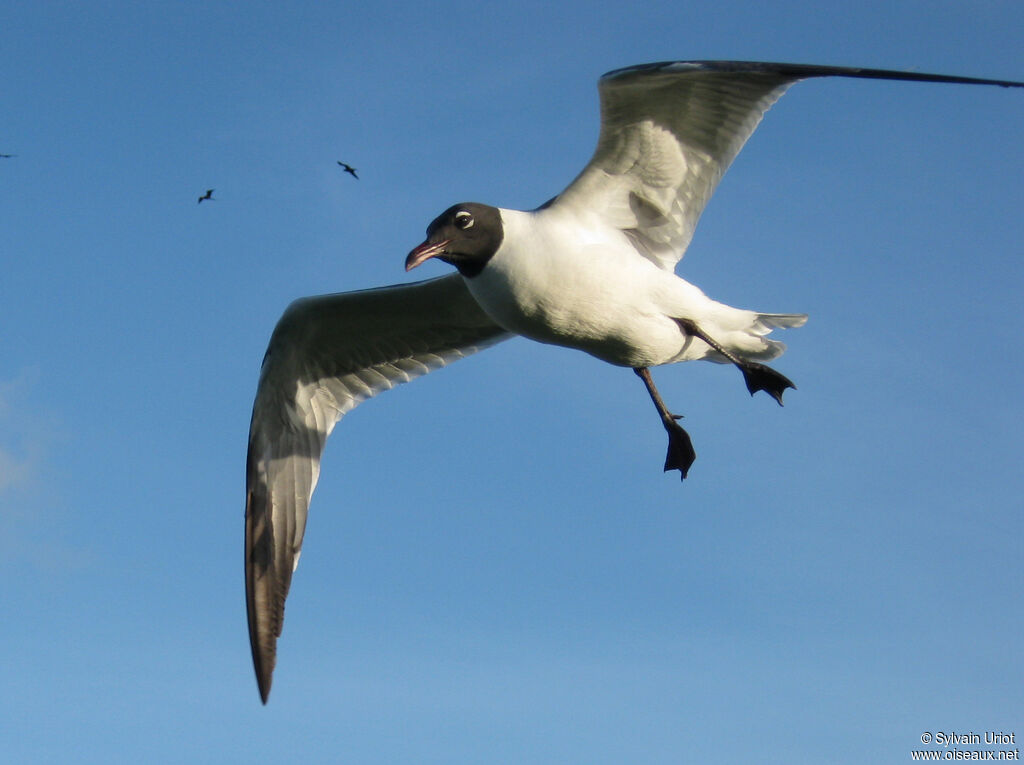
[29,508]
[14,469]
[21,449]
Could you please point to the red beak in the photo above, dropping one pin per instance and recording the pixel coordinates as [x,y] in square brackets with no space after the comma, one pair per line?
[424,252]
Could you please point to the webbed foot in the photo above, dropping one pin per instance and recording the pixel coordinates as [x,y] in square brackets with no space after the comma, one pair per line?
[761,377]
[680,449]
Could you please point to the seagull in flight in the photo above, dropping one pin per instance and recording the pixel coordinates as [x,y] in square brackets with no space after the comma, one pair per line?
[348,169]
[591,269]
[207,195]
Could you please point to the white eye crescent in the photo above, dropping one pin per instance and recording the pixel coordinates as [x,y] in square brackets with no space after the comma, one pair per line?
[463,219]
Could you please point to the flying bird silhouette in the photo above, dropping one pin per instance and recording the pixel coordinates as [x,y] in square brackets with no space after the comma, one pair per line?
[592,269]
[207,195]
[348,169]
[7,156]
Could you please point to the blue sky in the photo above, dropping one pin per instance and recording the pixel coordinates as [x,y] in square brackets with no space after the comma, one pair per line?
[496,569]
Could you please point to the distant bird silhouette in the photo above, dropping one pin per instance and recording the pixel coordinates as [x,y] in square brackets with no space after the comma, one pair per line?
[7,156]
[207,195]
[349,169]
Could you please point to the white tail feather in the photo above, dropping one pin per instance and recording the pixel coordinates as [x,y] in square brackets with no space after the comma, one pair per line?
[748,340]
[770,321]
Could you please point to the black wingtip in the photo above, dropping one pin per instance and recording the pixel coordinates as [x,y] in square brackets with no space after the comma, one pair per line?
[263,662]
[801,71]
[262,632]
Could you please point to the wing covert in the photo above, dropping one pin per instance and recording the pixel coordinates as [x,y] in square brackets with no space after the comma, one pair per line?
[670,130]
[668,134]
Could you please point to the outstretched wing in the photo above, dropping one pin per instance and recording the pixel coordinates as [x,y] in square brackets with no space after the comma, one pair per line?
[669,131]
[326,355]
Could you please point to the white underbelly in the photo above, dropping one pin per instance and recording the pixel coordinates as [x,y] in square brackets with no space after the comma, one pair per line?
[581,303]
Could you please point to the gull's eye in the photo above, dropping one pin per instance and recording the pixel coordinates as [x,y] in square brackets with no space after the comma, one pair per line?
[463,219]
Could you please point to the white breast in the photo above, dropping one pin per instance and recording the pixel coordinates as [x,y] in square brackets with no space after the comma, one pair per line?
[582,286]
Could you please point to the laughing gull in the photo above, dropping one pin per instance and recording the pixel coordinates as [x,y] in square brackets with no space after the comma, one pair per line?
[207,195]
[592,269]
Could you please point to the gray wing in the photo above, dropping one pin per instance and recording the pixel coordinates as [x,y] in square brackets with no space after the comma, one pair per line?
[326,355]
[669,131]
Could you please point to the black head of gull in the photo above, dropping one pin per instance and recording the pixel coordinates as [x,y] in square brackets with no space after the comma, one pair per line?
[465,235]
